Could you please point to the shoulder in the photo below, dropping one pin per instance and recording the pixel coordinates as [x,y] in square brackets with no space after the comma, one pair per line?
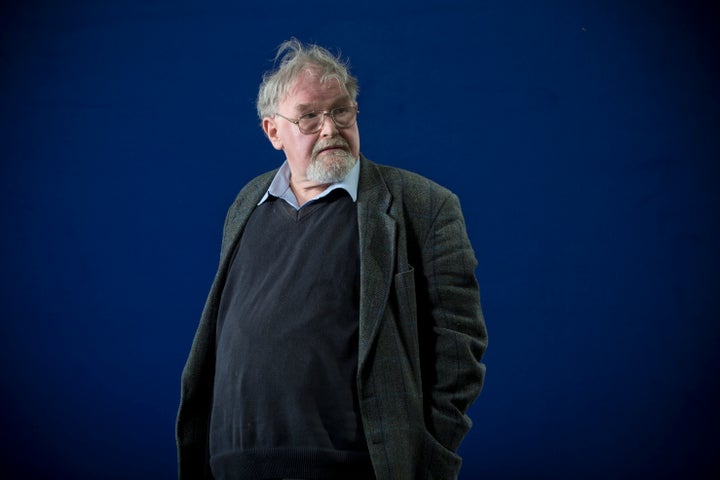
[409,181]
[261,182]
[410,188]
[255,188]
[248,198]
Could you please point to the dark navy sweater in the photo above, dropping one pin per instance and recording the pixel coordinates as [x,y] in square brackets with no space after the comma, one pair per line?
[285,402]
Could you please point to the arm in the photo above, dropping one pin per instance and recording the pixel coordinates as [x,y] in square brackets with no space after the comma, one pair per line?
[455,334]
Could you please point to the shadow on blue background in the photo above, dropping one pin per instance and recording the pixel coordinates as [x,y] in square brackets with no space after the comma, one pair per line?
[582,140]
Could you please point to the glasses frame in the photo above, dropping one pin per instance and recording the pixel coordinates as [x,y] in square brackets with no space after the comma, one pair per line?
[325,113]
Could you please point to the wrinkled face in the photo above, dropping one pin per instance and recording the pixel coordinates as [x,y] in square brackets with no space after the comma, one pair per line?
[323,157]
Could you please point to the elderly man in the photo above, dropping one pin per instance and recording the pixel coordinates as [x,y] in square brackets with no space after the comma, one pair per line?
[342,337]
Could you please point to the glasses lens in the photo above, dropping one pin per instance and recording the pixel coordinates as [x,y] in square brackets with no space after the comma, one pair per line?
[312,122]
[344,116]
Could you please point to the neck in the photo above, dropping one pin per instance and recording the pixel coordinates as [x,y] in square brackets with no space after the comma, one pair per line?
[304,191]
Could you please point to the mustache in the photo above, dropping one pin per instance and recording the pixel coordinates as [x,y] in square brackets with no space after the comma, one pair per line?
[331,143]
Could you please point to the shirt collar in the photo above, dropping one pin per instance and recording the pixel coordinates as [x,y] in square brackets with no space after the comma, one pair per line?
[280,186]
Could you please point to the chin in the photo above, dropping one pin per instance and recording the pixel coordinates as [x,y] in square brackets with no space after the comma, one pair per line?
[331,170]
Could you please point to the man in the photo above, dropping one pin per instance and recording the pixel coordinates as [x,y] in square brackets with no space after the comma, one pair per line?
[343,334]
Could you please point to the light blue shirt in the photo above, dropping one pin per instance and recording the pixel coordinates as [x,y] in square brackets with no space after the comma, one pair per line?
[280,186]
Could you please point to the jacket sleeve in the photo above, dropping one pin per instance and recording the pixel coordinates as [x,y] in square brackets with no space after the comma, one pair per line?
[193,419]
[196,396]
[455,336]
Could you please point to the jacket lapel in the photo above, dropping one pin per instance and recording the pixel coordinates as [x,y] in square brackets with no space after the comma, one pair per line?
[377,232]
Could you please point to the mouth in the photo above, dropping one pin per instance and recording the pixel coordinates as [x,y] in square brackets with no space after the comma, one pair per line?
[330,149]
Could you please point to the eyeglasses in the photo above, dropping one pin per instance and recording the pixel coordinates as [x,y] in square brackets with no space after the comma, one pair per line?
[312,122]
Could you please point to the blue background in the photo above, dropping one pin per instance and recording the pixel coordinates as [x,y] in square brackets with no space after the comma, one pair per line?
[581,137]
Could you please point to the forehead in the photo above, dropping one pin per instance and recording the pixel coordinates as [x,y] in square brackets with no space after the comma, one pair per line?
[308,91]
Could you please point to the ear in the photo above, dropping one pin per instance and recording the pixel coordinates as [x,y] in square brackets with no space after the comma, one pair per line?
[270,128]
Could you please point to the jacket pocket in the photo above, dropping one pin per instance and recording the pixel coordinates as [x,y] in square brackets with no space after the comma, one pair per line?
[440,463]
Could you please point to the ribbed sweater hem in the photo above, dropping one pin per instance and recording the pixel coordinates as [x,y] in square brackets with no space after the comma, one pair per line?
[306,463]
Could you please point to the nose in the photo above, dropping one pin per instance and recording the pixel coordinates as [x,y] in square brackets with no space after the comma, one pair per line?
[328,128]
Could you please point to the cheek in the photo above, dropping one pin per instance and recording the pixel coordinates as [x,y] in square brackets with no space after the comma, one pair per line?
[301,145]
[354,141]
[308,144]
[352,137]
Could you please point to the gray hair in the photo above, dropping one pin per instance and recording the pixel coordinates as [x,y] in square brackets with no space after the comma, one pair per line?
[296,58]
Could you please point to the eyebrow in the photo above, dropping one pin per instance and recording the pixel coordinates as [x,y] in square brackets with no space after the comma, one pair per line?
[309,107]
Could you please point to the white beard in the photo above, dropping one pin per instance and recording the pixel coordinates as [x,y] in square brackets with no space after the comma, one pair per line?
[330,168]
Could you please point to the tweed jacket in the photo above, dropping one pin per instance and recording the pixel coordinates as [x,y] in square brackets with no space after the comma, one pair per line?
[421,329]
